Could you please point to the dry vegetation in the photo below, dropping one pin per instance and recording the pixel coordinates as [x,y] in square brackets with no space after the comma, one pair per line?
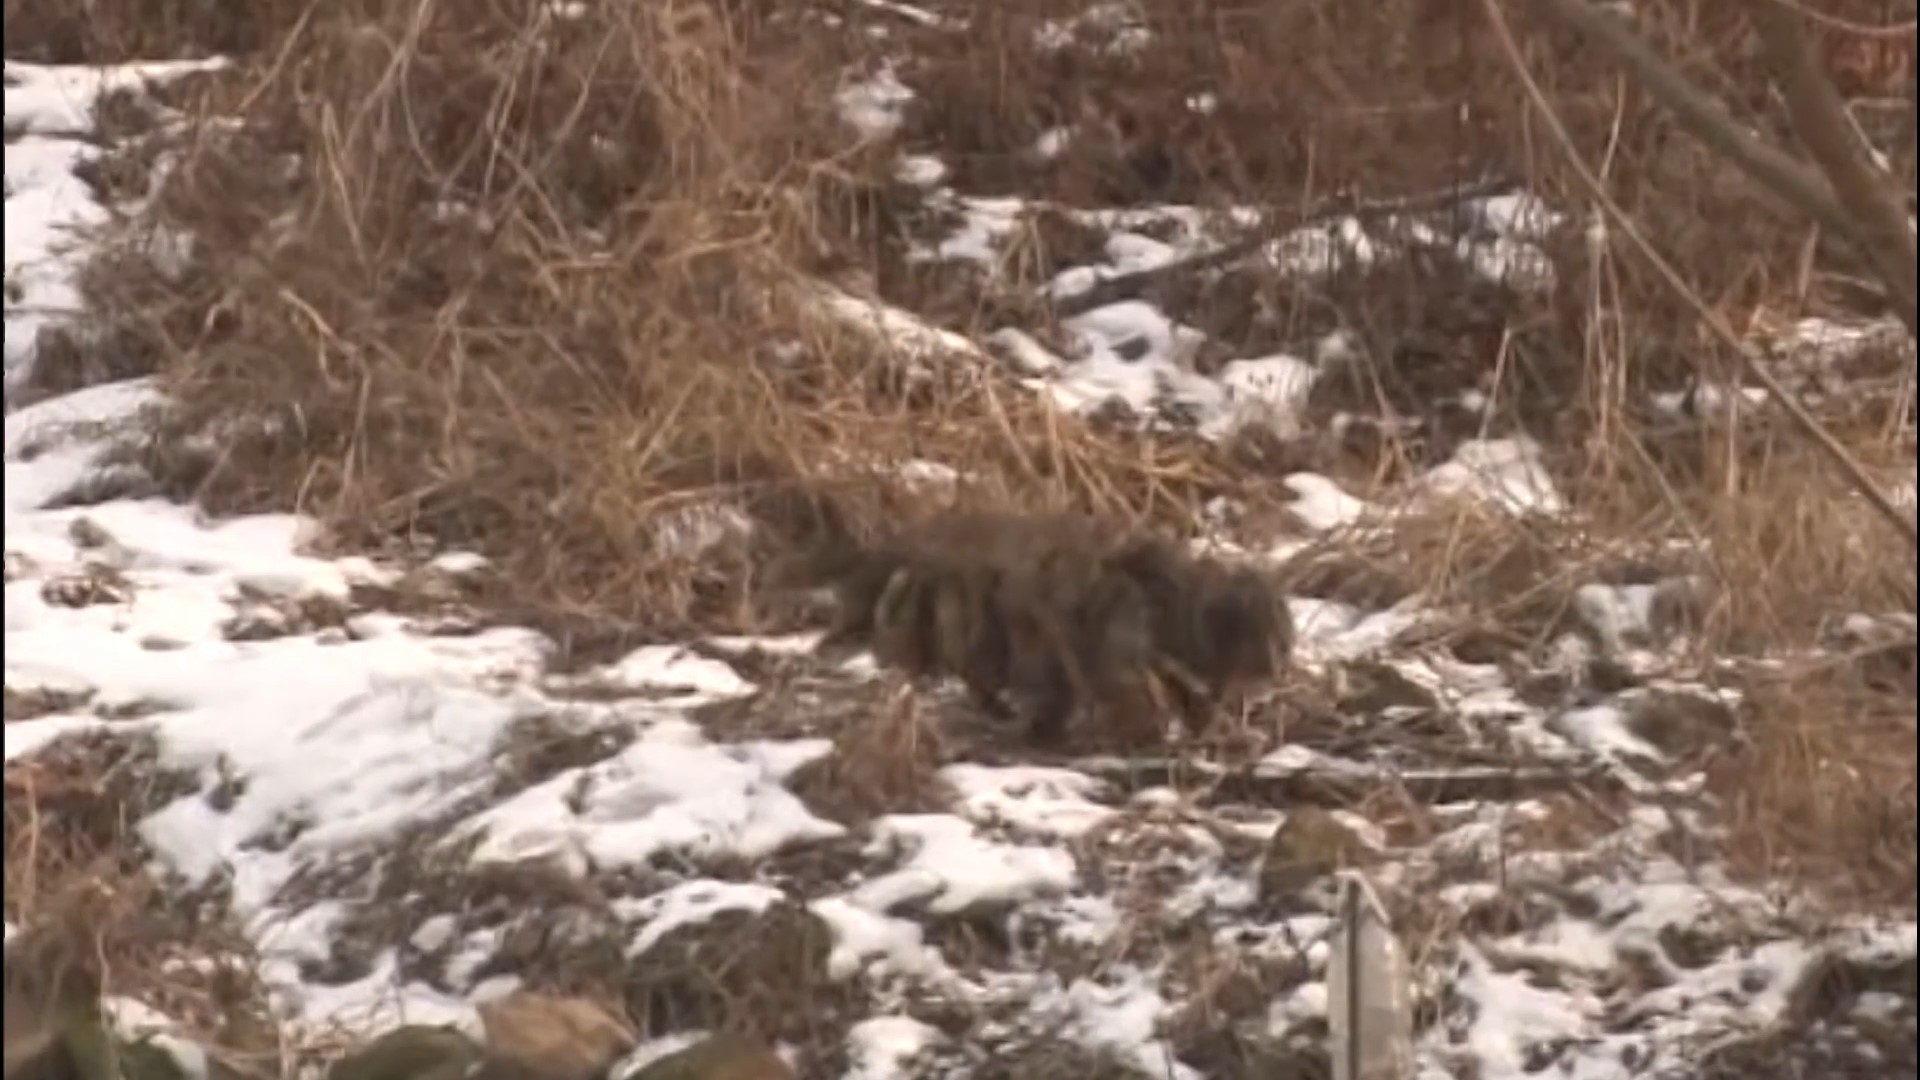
[470,275]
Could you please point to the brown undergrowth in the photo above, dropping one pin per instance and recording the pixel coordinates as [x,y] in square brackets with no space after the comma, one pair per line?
[476,274]
[93,920]
[473,277]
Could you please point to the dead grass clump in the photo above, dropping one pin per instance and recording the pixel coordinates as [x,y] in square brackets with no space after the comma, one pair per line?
[1222,1027]
[1825,792]
[71,811]
[91,917]
[1212,102]
[763,975]
[1800,549]
[885,760]
[477,276]
[1508,581]
[457,303]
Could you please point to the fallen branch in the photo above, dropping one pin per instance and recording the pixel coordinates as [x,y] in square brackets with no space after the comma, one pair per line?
[1326,788]
[1132,285]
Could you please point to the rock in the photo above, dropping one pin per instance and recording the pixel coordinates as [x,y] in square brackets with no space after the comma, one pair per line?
[719,1057]
[146,1060]
[417,1052]
[1307,849]
[544,1037]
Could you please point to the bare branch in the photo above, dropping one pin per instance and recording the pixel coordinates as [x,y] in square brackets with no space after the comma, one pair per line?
[1855,473]
[1801,187]
[1820,120]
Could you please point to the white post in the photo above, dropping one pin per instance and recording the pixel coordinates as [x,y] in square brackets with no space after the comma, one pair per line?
[1369,995]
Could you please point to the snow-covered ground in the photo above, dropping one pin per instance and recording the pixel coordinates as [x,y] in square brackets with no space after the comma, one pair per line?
[335,752]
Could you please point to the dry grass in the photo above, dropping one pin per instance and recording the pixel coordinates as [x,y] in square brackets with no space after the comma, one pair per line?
[470,276]
[884,760]
[93,920]
[1826,793]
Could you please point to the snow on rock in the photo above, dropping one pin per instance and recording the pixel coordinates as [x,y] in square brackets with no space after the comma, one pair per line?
[873,105]
[671,674]
[52,445]
[689,904]
[886,1047]
[1121,1016]
[865,939]
[1504,473]
[1033,799]
[1321,505]
[951,868]
[1511,1016]
[670,790]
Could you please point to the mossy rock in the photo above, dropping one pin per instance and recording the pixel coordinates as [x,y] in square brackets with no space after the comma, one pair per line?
[86,1050]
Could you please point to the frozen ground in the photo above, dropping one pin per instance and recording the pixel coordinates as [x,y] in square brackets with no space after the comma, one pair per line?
[348,774]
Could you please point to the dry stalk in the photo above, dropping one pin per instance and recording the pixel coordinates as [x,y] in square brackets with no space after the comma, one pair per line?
[1795,178]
